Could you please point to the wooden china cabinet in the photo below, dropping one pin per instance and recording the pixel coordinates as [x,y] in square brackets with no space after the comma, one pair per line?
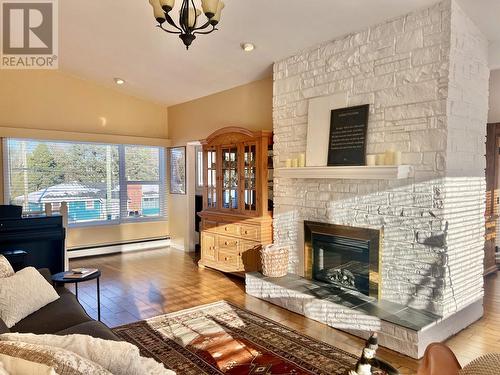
[235,217]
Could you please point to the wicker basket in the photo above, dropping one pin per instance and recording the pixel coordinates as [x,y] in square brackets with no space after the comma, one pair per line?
[274,260]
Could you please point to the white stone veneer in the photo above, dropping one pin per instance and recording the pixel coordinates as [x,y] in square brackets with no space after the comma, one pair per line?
[425,77]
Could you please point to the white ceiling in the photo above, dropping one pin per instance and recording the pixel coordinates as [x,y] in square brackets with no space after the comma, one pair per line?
[103,39]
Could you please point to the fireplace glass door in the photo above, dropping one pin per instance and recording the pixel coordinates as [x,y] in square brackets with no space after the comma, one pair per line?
[344,262]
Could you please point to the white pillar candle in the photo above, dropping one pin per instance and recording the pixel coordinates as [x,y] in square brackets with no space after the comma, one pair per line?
[288,163]
[295,163]
[389,157]
[371,160]
[380,159]
[302,160]
[398,158]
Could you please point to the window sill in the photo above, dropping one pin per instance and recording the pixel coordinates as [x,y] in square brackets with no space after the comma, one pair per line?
[115,222]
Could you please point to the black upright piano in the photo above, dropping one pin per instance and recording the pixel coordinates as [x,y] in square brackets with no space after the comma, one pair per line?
[41,237]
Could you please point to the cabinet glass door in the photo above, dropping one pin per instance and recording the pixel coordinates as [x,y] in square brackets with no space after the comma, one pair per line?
[211,158]
[230,178]
[250,188]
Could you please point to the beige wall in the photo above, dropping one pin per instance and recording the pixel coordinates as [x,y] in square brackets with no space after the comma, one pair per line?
[248,106]
[55,101]
[110,234]
[494,114]
[54,105]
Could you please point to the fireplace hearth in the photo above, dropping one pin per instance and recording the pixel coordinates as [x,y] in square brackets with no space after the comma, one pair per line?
[346,257]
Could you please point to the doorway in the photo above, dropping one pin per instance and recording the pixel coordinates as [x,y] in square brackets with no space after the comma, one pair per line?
[492,197]
[194,192]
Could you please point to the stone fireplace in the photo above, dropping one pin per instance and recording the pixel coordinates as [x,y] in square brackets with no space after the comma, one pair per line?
[425,76]
[345,257]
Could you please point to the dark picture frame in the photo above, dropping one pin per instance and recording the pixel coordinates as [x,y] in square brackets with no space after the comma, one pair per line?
[177,170]
[347,142]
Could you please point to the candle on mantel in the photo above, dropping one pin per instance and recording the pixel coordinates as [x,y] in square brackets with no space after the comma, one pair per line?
[295,163]
[302,160]
[389,157]
[288,163]
[398,158]
[371,160]
[380,159]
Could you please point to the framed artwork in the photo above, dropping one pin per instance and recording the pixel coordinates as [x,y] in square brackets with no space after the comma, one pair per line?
[348,131]
[177,159]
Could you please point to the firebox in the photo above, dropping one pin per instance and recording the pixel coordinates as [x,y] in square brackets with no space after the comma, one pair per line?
[346,257]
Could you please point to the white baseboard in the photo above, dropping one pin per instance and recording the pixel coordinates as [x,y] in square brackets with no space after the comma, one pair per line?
[119,248]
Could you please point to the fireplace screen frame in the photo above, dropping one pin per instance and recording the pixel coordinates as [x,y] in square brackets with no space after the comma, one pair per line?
[373,236]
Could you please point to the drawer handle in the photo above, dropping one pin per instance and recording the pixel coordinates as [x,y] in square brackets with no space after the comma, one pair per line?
[226,229]
[226,243]
[226,258]
[246,232]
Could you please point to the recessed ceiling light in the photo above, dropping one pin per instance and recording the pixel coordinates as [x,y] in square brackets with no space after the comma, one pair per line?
[247,47]
[119,81]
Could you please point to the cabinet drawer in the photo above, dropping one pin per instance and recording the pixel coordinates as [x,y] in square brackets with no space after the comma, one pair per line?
[250,232]
[209,225]
[228,259]
[228,243]
[226,228]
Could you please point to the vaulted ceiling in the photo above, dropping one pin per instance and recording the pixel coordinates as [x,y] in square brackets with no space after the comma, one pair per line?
[103,39]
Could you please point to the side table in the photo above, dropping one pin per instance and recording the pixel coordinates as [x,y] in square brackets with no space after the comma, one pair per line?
[60,278]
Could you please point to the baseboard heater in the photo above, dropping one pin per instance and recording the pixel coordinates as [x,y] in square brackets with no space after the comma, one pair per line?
[122,247]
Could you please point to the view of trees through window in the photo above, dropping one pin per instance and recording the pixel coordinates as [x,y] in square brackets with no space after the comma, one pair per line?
[87,177]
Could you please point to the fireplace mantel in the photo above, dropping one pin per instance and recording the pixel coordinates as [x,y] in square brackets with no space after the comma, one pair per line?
[382,172]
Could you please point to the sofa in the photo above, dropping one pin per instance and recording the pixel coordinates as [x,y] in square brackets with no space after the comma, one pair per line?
[64,316]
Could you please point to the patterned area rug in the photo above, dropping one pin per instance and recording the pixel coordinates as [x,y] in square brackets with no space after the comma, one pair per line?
[221,338]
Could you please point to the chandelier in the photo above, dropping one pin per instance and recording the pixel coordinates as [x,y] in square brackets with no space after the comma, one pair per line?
[189,17]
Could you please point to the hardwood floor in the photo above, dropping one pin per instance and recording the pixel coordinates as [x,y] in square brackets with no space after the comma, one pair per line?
[141,285]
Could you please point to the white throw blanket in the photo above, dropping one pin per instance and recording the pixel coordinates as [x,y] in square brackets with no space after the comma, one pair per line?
[118,357]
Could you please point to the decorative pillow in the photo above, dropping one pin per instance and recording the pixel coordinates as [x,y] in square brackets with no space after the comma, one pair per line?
[6,269]
[118,357]
[488,364]
[23,294]
[3,371]
[19,366]
[62,361]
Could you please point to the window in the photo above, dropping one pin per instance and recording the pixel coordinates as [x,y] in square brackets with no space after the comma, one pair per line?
[99,182]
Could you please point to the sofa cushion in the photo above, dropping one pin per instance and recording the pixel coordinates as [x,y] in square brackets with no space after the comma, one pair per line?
[56,316]
[92,328]
[62,361]
[15,365]
[23,294]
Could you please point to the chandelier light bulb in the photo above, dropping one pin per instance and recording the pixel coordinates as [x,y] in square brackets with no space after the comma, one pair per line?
[119,81]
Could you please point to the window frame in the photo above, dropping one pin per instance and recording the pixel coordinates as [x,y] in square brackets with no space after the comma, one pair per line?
[122,181]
